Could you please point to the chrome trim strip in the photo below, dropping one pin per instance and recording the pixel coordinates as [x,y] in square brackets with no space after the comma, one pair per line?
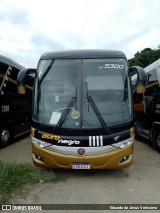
[90,140]
[97,140]
[94,141]
[88,150]
[101,140]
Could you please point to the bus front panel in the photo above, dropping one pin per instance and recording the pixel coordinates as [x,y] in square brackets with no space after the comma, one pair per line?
[82,114]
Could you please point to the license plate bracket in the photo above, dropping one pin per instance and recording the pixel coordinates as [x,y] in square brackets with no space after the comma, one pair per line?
[80,166]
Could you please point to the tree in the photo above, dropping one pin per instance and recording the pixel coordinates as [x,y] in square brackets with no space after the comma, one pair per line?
[144,58]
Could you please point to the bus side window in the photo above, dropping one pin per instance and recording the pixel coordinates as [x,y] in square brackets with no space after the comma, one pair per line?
[149,100]
[158,91]
[157,100]
[3,83]
[8,76]
[1,79]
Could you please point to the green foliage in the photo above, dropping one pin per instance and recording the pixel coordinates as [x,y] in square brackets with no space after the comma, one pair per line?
[14,176]
[145,57]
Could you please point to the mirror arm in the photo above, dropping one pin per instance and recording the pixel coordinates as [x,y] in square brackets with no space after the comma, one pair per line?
[21,79]
[141,78]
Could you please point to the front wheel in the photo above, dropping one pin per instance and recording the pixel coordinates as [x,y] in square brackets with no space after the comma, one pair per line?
[156,139]
[6,136]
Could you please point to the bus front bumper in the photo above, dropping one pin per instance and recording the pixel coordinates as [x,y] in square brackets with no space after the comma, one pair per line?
[120,158]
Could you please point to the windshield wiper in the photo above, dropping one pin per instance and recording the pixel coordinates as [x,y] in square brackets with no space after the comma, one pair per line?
[99,116]
[65,113]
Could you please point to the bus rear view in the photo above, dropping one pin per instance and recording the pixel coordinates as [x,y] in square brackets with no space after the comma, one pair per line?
[82,111]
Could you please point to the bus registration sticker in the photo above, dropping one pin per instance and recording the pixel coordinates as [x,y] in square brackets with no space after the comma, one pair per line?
[80,166]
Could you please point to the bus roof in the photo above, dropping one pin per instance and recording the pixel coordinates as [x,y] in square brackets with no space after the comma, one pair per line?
[10,62]
[85,53]
[150,69]
[152,66]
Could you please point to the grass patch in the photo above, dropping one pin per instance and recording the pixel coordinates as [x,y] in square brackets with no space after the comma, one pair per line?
[14,176]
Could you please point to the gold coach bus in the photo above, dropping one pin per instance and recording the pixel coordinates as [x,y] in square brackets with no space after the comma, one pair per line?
[82,109]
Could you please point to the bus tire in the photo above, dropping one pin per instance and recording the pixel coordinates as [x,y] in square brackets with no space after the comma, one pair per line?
[156,139]
[6,136]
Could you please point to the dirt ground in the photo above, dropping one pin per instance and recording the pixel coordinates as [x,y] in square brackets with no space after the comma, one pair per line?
[138,184]
[20,151]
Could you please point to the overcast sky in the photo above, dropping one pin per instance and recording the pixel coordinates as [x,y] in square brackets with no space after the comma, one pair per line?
[28,28]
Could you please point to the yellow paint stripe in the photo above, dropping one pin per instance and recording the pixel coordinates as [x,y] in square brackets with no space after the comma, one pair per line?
[22,133]
[14,82]
[28,87]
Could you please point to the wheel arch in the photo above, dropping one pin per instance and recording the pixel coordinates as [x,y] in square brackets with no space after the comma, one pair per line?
[10,123]
[155,126]
[7,130]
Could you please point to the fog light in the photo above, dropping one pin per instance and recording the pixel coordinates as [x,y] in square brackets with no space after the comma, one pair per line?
[38,157]
[124,159]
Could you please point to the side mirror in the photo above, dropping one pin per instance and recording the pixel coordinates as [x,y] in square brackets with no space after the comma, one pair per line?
[21,79]
[141,79]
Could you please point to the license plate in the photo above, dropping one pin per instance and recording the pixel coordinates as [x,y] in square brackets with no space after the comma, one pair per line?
[80,166]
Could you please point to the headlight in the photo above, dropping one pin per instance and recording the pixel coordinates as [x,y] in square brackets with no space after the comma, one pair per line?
[125,143]
[40,143]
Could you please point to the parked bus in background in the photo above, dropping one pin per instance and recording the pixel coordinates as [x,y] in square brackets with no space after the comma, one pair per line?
[147,112]
[15,109]
[82,111]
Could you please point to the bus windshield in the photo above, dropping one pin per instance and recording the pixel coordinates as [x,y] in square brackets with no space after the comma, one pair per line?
[64,89]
